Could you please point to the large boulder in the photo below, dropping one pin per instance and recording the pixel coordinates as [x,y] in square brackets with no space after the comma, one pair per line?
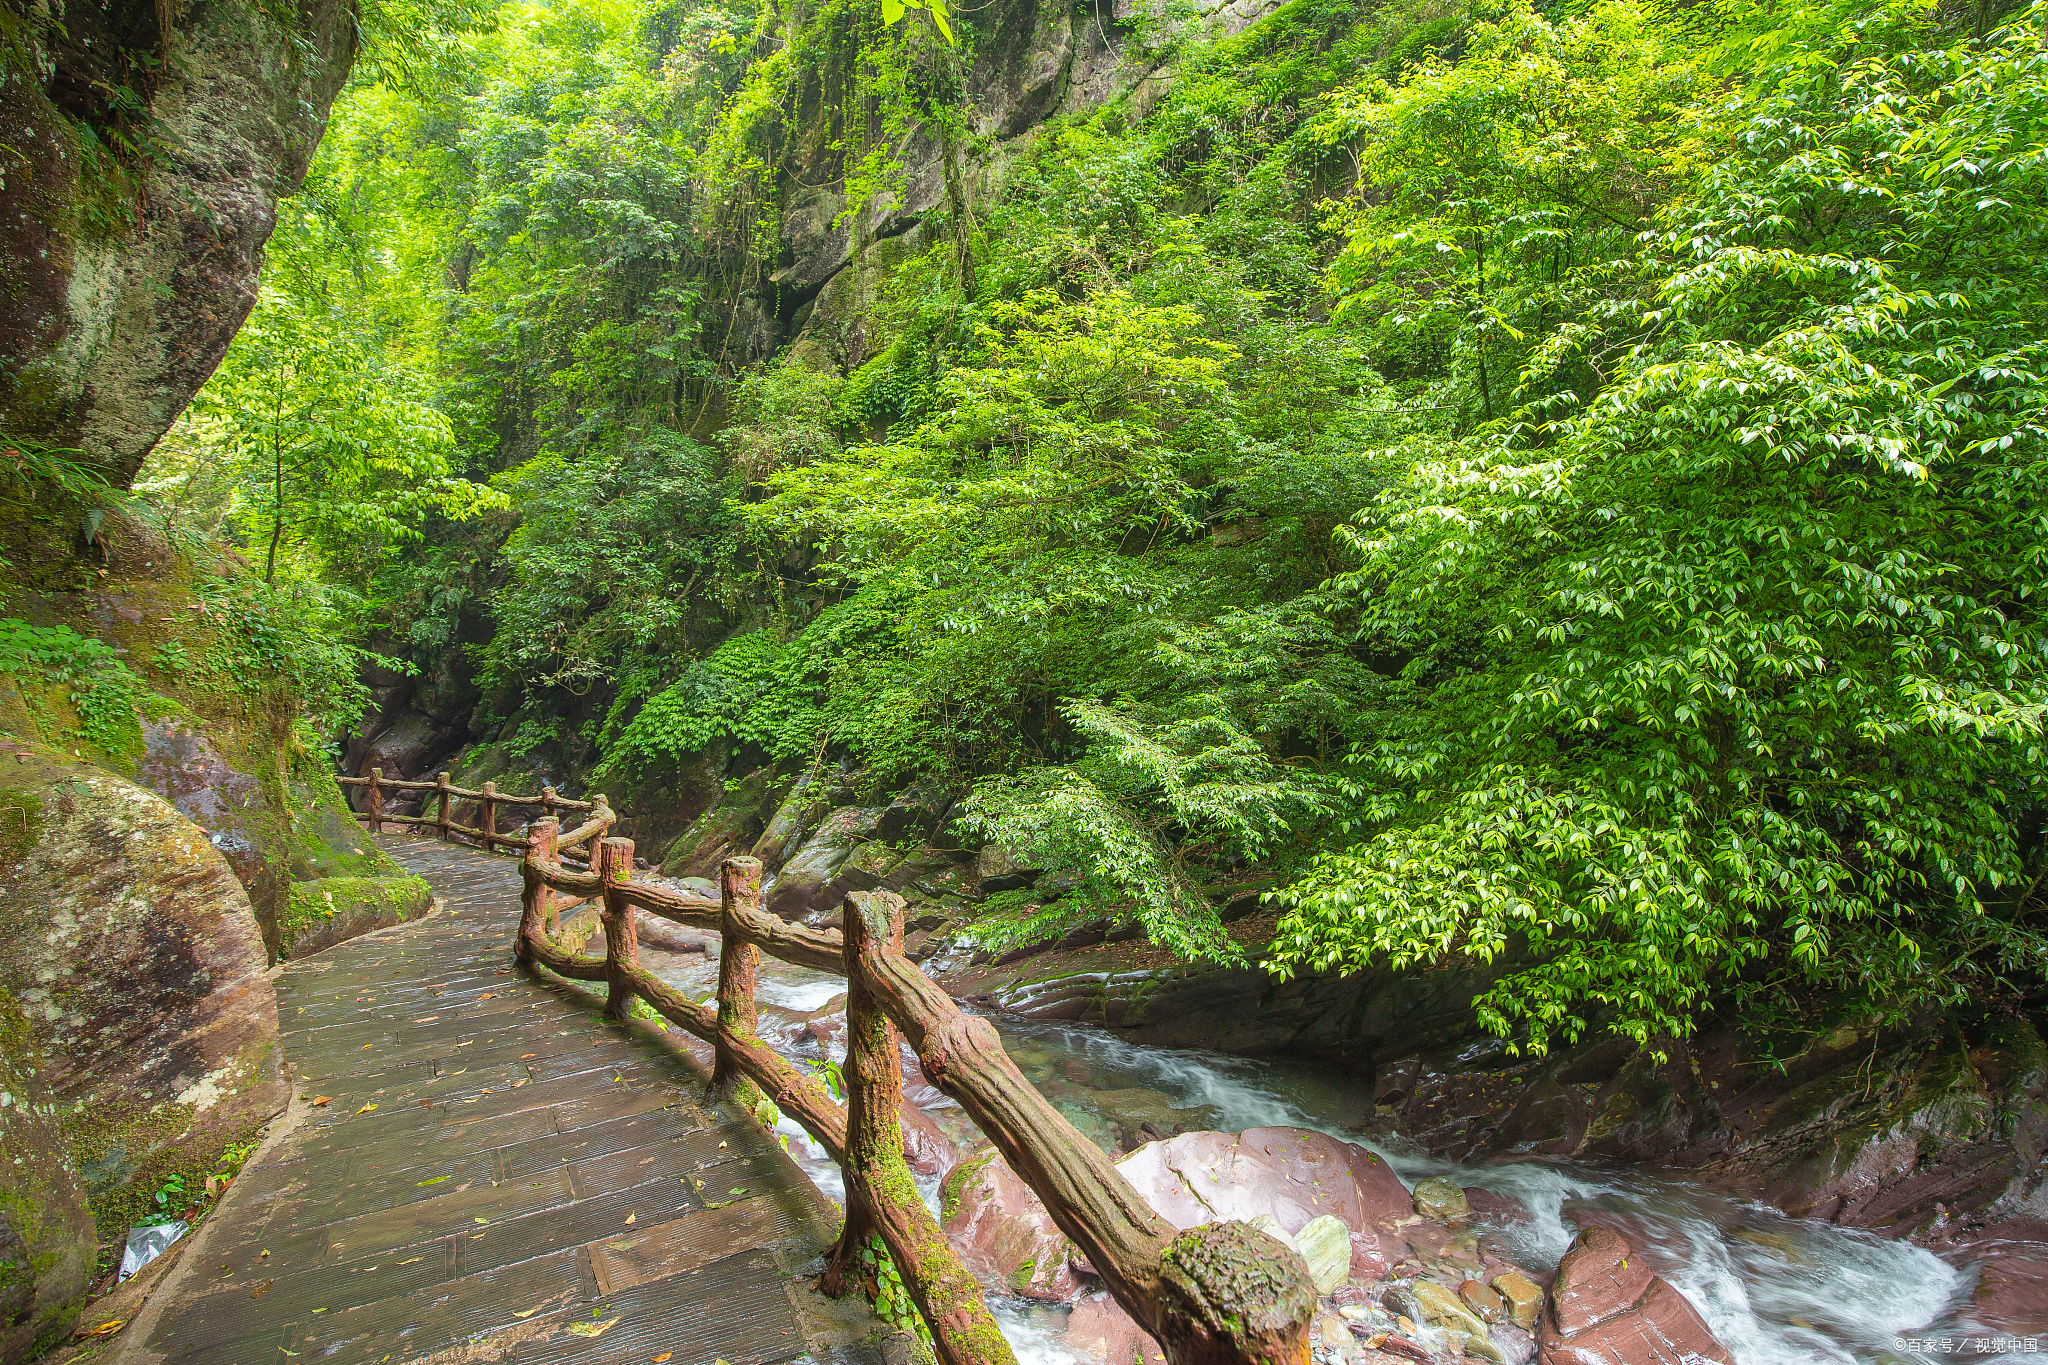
[130,271]
[810,883]
[322,913]
[1291,1176]
[46,1233]
[134,954]
[730,828]
[1607,1307]
[1003,1232]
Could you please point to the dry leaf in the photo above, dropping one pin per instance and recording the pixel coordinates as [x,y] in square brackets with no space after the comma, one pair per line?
[260,1290]
[319,1100]
[106,1327]
[366,1047]
[663,1356]
[428,1020]
[528,1056]
[529,1312]
[593,1329]
[367,1108]
[484,1221]
[414,1261]
[630,1217]
[488,995]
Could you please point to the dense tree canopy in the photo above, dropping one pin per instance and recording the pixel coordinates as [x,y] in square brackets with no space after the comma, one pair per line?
[1558,484]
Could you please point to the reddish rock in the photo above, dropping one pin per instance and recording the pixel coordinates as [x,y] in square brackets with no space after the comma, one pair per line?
[1100,1329]
[1607,1308]
[2012,1289]
[928,1150]
[1291,1173]
[1001,1230]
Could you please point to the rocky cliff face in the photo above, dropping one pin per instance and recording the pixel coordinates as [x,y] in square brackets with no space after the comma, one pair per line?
[145,165]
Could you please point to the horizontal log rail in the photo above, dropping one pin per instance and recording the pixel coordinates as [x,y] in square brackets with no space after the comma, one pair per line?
[489,799]
[1220,1294]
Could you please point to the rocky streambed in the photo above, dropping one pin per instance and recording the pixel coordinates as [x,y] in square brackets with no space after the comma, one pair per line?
[1418,1257]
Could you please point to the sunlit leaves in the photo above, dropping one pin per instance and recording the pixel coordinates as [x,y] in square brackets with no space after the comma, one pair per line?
[1760,676]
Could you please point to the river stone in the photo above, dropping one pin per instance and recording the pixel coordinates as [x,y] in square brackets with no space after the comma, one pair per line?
[2012,1289]
[1100,1329]
[1524,1299]
[1001,1230]
[132,949]
[1291,1173]
[1481,1300]
[806,884]
[1446,1310]
[47,1249]
[1516,1345]
[1325,1243]
[1441,1200]
[1608,1308]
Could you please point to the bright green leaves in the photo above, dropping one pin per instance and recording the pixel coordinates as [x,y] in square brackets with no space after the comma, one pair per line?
[939,11]
[1731,676]
[335,451]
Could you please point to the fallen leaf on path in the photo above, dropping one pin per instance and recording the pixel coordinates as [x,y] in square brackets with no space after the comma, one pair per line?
[435,1181]
[319,1100]
[428,1020]
[663,1356]
[593,1329]
[414,1261]
[106,1327]
[630,1217]
[528,1056]
[484,1221]
[260,1290]
[529,1312]
[366,1108]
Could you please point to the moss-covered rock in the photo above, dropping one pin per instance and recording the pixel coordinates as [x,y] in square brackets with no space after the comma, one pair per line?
[134,954]
[46,1234]
[319,914]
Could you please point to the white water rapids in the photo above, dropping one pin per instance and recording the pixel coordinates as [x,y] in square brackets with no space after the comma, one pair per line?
[1775,1290]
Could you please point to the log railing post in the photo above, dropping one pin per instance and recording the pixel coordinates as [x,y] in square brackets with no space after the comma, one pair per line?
[739,893]
[536,903]
[441,818]
[881,1197]
[612,861]
[374,806]
[547,803]
[487,819]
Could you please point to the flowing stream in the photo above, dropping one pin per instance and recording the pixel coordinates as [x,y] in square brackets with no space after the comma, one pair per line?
[1775,1290]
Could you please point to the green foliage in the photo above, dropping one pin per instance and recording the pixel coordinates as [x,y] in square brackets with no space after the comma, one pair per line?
[104,690]
[892,1300]
[1550,486]
[1729,672]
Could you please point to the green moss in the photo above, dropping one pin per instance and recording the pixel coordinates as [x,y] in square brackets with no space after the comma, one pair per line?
[325,911]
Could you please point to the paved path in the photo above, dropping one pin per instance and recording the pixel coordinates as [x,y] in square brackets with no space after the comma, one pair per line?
[496,1174]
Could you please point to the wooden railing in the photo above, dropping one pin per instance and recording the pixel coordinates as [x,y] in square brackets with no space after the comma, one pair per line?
[1220,1294]
[488,797]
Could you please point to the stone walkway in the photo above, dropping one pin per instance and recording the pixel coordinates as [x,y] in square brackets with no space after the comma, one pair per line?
[485,1170]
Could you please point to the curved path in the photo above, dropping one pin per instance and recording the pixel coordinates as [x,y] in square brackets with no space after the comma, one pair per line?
[477,1167]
